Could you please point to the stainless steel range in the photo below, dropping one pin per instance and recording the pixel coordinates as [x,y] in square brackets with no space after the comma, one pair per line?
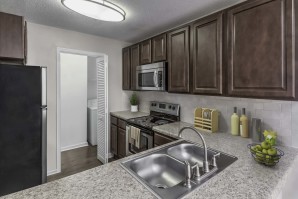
[160,113]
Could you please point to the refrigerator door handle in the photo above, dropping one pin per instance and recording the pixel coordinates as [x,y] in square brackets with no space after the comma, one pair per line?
[44,123]
[43,86]
[44,145]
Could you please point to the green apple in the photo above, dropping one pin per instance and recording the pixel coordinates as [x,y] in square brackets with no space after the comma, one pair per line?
[258,147]
[260,155]
[265,145]
[264,151]
[272,151]
[268,157]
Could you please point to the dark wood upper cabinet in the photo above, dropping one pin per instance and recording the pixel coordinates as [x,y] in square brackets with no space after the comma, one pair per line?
[178,60]
[135,61]
[114,138]
[12,37]
[260,49]
[146,52]
[121,143]
[126,69]
[207,55]
[159,48]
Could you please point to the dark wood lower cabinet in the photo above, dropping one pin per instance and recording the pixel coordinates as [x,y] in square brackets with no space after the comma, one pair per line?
[121,143]
[160,139]
[118,137]
[113,139]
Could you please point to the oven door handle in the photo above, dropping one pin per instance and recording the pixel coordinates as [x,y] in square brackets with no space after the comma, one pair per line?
[155,78]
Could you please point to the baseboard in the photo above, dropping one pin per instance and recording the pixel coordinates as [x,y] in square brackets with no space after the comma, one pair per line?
[111,155]
[75,146]
[52,172]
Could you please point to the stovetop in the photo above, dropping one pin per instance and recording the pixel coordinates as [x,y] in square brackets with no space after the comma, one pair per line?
[149,121]
[160,113]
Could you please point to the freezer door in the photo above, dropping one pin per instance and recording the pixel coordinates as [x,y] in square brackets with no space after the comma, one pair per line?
[21,137]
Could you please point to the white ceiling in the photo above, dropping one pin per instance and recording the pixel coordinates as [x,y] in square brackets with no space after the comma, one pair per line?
[144,18]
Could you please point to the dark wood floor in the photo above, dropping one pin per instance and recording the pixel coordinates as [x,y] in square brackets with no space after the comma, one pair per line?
[75,161]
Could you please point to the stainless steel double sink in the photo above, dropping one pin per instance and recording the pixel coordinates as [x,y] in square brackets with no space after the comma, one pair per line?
[163,171]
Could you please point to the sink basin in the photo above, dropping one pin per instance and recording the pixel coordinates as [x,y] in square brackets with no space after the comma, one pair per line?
[162,171]
[189,152]
[159,170]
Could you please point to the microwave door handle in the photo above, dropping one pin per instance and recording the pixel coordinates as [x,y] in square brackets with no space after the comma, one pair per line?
[155,78]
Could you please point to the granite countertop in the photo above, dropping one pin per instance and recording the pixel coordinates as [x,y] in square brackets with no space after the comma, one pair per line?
[125,115]
[243,179]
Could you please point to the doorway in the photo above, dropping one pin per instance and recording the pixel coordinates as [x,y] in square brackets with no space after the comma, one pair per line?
[82,79]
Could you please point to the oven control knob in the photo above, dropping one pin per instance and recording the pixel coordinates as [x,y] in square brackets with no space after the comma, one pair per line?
[152,104]
[173,108]
[170,107]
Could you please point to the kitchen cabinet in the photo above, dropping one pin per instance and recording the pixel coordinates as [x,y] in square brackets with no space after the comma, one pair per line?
[118,137]
[121,142]
[12,38]
[261,45]
[145,52]
[178,60]
[135,61]
[207,55]
[159,48]
[126,68]
[113,139]
[160,139]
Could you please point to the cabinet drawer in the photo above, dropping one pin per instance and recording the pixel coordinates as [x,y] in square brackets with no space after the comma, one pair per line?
[114,120]
[121,124]
[161,139]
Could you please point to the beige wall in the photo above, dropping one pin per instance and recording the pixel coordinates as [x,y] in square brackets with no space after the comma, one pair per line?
[42,48]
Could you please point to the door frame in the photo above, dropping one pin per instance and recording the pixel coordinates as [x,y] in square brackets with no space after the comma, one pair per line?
[58,95]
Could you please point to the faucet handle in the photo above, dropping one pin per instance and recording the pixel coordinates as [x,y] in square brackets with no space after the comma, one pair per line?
[187,174]
[196,172]
[213,163]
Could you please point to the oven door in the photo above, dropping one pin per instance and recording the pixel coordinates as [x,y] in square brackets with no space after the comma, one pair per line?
[146,142]
[151,79]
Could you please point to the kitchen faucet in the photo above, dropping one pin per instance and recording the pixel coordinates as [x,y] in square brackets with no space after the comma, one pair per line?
[205,163]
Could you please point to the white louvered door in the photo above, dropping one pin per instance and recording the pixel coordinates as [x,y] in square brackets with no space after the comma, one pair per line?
[102,110]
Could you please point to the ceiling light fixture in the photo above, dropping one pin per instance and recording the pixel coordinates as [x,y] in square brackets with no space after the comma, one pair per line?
[97,9]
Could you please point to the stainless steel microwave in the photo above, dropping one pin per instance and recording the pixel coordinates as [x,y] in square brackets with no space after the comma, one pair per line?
[151,77]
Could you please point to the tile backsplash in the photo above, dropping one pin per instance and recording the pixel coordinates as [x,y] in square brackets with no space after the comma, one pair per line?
[281,116]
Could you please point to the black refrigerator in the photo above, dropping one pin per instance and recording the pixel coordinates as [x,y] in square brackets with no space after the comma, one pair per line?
[23,123]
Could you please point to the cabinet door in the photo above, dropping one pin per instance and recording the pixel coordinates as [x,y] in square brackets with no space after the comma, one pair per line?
[178,60]
[260,47]
[121,143]
[113,140]
[135,61]
[11,36]
[146,52]
[126,69]
[159,48]
[162,139]
[207,55]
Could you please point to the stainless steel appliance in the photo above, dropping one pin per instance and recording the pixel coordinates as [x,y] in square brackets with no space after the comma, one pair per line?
[151,77]
[160,113]
[256,130]
[23,124]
